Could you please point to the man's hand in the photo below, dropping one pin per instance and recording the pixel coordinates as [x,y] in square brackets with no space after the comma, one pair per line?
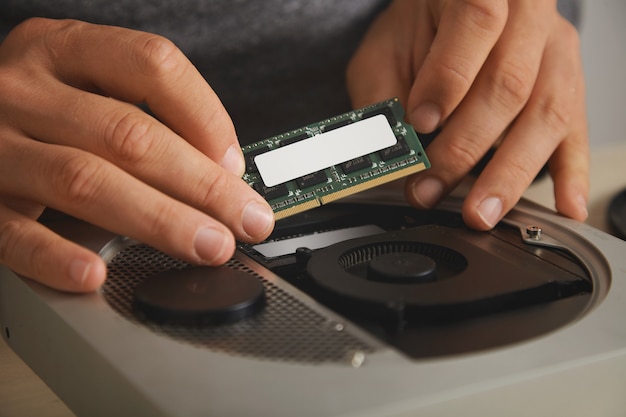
[488,73]
[72,138]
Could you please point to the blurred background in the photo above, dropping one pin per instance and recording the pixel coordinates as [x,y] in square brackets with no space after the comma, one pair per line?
[603,36]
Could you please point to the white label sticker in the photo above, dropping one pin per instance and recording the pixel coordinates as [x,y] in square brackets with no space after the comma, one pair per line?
[324,150]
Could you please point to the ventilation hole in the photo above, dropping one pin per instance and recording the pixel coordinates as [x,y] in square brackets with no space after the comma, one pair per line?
[287,329]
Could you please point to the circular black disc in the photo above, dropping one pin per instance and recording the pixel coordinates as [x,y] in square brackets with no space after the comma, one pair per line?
[402,267]
[199,296]
[617,214]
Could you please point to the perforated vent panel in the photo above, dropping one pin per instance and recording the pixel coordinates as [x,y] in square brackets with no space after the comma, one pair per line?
[287,329]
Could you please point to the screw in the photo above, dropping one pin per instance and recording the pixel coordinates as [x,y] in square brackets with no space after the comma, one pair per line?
[534,232]
[357,358]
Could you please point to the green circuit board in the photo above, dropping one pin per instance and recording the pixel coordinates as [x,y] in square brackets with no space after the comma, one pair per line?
[331,159]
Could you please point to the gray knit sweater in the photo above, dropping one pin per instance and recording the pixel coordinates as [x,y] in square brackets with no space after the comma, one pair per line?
[276,64]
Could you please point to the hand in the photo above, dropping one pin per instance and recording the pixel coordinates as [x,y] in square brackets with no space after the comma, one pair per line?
[70,139]
[487,73]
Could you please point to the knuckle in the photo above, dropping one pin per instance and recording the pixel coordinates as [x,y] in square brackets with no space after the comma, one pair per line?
[10,88]
[11,233]
[53,32]
[511,85]
[22,250]
[62,34]
[570,35]
[45,39]
[18,90]
[212,188]
[37,255]
[15,58]
[130,138]
[521,170]
[218,121]
[78,180]
[456,74]
[487,15]
[157,56]
[32,27]
[464,153]
[555,114]
[160,221]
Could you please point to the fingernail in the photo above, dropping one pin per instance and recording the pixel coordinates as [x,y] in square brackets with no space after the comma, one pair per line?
[209,245]
[79,271]
[428,191]
[426,117]
[233,161]
[257,219]
[490,211]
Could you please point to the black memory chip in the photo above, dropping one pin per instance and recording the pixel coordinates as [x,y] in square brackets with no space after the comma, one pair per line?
[312,179]
[386,111]
[294,139]
[399,149]
[337,125]
[270,193]
[356,164]
[250,165]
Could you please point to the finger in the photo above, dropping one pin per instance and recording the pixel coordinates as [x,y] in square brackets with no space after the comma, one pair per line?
[570,173]
[150,151]
[550,121]
[496,98]
[94,190]
[141,67]
[569,165]
[378,69]
[467,32]
[26,208]
[30,249]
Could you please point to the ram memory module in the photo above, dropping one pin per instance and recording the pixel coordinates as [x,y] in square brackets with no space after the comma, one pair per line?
[331,159]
